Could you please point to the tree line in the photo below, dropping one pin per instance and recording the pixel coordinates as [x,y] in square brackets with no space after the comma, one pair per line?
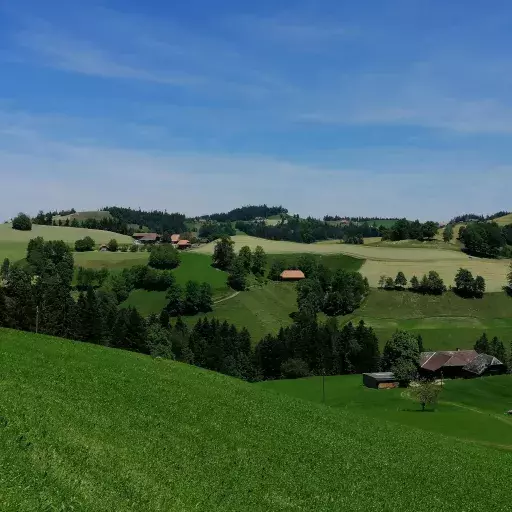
[432,284]
[470,217]
[249,212]
[309,230]
[487,239]
[404,229]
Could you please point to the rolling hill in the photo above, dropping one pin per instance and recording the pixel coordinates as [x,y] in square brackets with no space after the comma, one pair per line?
[13,243]
[81,216]
[503,221]
[85,427]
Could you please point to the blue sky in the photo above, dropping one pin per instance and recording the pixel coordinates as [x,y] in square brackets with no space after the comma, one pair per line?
[396,108]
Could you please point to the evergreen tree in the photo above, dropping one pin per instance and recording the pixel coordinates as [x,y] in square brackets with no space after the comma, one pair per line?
[368,357]
[270,354]
[245,257]
[415,284]
[400,280]
[420,344]
[259,261]
[497,349]
[482,345]
[164,319]
[136,335]
[479,289]
[159,341]
[4,313]
[205,297]
[21,301]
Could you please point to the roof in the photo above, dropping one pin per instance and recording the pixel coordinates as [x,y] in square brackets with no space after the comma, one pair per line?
[146,236]
[480,363]
[435,360]
[382,376]
[183,242]
[175,238]
[292,274]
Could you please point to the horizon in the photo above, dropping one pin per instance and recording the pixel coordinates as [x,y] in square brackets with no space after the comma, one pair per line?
[395,110]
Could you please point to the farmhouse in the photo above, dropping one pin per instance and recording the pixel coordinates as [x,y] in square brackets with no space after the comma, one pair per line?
[175,238]
[459,363]
[183,244]
[292,275]
[380,380]
[146,238]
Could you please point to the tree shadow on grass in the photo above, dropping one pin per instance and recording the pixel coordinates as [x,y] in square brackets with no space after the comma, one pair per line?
[418,410]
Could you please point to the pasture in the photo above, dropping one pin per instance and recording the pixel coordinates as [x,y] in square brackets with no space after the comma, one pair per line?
[84,427]
[503,221]
[445,322]
[470,410]
[81,216]
[388,260]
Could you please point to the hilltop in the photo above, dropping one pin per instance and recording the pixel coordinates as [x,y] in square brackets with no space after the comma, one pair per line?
[102,429]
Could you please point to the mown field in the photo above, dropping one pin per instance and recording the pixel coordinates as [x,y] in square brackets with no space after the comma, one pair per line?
[389,260]
[471,410]
[13,243]
[503,221]
[89,428]
[445,322]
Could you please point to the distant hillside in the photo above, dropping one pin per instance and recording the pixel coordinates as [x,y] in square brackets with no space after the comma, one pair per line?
[505,220]
[97,429]
[81,216]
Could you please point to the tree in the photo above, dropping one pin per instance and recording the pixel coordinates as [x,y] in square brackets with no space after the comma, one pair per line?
[224,253]
[448,233]
[404,371]
[159,341]
[245,257]
[259,261]
[310,296]
[482,344]
[497,349]
[415,284]
[382,281]
[192,299]
[308,264]
[175,305]
[479,286]
[400,280]
[112,246]
[205,297]
[429,229]
[464,283]
[164,257]
[4,270]
[275,269]
[402,348]
[426,392]
[22,222]
[237,278]
[389,284]
[85,244]
[294,369]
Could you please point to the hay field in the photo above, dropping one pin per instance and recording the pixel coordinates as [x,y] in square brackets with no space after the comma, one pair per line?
[503,221]
[388,260]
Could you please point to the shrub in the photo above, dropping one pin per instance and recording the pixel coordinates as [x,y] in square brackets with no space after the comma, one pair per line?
[164,257]
[22,222]
[133,248]
[294,369]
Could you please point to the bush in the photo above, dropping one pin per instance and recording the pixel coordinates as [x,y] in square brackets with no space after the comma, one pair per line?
[85,244]
[112,245]
[133,248]
[164,257]
[22,222]
[294,369]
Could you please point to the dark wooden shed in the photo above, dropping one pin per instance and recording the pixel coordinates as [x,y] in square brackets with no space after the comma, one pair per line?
[380,380]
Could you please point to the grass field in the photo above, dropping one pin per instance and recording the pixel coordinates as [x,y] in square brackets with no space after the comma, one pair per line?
[503,221]
[389,260]
[81,216]
[13,243]
[445,322]
[472,410]
[94,429]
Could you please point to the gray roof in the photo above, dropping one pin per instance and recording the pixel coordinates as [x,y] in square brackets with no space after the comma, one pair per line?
[382,376]
[480,363]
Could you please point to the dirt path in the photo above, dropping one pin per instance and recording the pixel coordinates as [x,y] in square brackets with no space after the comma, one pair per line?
[234,294]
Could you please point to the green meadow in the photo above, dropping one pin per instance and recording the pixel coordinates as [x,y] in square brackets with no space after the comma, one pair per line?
[470,410]
[445,322]
[84,427]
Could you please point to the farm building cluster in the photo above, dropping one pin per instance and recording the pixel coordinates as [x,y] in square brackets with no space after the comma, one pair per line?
[154,238]
[451,364]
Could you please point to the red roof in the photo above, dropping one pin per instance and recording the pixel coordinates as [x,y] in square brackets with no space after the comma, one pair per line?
[147,236]
[175,238]
[183,242]
[292,274]
[435,360]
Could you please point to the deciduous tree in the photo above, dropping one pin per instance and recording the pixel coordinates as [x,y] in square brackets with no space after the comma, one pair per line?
[426,392]
[224,253]
[22,222]
[259,261]
[400,280]
[448,233]
[112,246]
[245,257]
[482,345]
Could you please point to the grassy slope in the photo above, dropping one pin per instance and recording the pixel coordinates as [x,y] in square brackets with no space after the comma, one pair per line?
[469,409]
[445,322]
[13,243]
[80,216]
[91,428]
[503,221]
